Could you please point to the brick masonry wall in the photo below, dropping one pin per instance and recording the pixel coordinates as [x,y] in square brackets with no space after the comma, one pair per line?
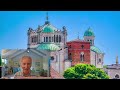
[75,49]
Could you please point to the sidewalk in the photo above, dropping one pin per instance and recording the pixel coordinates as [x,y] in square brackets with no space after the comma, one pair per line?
[9,76]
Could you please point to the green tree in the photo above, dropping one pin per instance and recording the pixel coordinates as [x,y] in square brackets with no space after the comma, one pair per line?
[105,66]
[85,71]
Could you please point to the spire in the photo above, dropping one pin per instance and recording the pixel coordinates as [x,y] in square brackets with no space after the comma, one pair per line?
[47,16]
[117,60]
[47,22]
[89,28]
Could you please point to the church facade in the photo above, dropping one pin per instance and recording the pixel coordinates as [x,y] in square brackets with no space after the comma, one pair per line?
[65,54]
[96,55]
[53,40]
[85,51]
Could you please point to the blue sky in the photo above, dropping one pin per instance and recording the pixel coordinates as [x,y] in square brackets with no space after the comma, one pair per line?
[105,25]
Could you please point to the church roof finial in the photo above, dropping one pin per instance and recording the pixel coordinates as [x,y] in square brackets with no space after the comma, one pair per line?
[117,60]
[47,16]
[47,22]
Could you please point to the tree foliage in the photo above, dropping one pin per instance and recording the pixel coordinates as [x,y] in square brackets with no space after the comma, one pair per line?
[105,66]
[85,71]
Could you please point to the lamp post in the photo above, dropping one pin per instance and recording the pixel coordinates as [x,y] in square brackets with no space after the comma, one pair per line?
[49,63]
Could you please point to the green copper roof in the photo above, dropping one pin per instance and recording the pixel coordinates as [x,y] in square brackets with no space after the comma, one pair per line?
[95,49]
[48,29]
[51,47]
[89,32]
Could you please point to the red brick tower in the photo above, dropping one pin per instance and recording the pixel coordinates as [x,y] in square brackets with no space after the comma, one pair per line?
[79,51]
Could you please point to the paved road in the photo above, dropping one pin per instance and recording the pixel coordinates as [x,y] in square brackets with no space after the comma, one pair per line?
[9,76]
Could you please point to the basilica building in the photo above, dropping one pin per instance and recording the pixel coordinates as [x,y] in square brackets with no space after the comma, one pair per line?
[65,54]
[49,38]
[50,49]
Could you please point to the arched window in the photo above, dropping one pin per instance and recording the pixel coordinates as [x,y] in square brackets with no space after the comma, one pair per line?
[46,39]
[59,38]
[70,56]
[54,38]
[99,60]
[52,57]
[82,56]
[90,42]
[35,39]
[49,39]
[70,46]
[82,46]
[32,39]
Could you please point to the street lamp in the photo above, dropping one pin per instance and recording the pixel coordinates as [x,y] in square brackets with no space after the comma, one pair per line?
[49,63]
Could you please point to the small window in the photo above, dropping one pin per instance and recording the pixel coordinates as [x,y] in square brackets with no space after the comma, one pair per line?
[82,56]
[32,39]
[90,42]
[54,38]
[52,57]
[99,60]
[46,39]
[59,38]
[82,46]
[70,46]
[70,56]
[49,39]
